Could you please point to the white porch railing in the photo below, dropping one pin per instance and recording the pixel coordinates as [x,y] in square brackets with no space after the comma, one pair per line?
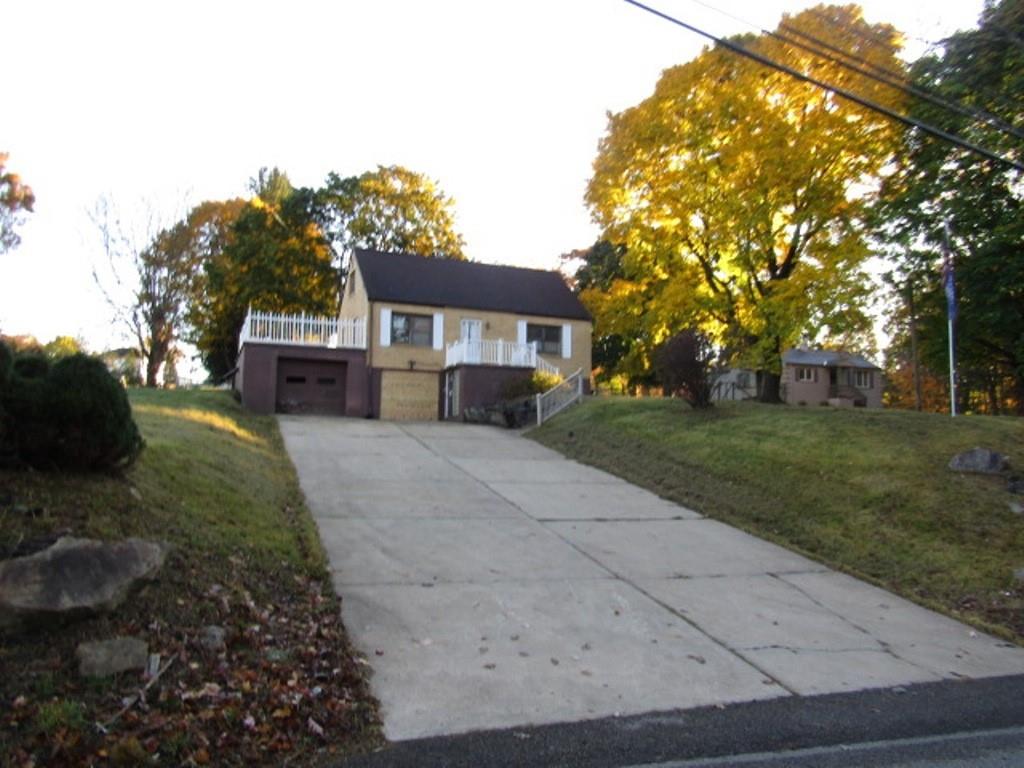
[560,396]
[304,330]
[496,352]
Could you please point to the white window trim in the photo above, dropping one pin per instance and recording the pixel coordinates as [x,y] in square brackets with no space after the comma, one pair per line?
[438,330]
[385,326]
[566,341]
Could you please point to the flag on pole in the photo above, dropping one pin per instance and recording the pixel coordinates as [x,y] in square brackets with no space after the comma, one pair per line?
[949,285]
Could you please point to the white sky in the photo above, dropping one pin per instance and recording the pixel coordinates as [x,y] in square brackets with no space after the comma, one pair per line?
[178,102]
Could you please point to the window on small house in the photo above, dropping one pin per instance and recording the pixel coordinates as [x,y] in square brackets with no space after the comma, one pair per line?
[863,379]
[548,338]
[326,381]
[416,330]
[295,379]
[806,374]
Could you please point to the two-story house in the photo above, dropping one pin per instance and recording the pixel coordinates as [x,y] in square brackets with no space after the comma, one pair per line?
[417,338]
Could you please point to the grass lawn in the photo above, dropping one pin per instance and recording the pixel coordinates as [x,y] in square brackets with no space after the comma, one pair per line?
[867,492]
[213,481]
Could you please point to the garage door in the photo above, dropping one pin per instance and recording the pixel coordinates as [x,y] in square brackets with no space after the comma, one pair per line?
[310,386]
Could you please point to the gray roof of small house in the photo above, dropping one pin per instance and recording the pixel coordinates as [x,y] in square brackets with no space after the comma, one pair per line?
[407,278]
[827,358]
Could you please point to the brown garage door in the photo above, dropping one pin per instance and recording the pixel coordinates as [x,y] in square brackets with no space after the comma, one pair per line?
[310,386]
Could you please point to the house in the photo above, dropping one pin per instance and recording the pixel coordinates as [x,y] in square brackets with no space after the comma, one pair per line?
[815,376]
[735,384]
[416,338]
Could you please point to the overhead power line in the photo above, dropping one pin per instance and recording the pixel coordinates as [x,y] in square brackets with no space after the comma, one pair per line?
[907,120]
[852,62]
[894,82]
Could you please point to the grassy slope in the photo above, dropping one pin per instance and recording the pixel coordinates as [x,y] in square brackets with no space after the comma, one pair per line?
[215,482]
[866,491]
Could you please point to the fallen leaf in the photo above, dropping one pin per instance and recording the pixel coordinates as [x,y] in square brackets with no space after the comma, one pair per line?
[315,727]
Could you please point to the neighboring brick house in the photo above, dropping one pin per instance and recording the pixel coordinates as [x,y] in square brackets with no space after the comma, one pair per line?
[815,376]
[417,338]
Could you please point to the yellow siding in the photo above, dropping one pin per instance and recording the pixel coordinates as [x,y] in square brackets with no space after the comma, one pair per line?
[494,325]
[407,392]
[354,302]
[408,396]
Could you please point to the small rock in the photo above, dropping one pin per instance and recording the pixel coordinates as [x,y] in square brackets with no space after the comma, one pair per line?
[153,665]
[1015,486]
[107,657]
[980,460]
[1018,575]
[135,493]
[1017,508]
[212,637]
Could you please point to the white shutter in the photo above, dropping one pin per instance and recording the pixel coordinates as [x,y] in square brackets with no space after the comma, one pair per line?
[520,331]
[385,327]
[439,330]
[567,340]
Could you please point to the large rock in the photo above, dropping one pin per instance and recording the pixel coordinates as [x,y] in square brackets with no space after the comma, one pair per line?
[74,578]
[108,657]
[980,460]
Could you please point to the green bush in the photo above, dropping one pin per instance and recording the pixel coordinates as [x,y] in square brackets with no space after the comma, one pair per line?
[31,365]
[7,451]
[76,418]
[6,366]
[526,386]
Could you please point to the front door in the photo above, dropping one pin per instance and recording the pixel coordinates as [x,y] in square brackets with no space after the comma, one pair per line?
[469,334]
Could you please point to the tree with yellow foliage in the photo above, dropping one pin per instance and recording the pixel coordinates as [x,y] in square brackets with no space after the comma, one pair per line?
[738,193]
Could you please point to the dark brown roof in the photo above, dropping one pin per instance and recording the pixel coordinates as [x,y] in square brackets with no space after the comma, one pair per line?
[410,279]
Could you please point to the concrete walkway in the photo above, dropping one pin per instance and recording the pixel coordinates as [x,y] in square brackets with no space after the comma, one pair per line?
[491,582]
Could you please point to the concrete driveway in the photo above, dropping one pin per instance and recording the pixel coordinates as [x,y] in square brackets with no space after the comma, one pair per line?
[491,582]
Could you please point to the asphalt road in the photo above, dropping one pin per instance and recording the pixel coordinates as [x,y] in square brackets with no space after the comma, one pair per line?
[978,723]
[982,749]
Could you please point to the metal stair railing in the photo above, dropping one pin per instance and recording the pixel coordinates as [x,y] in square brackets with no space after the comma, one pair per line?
[560,396]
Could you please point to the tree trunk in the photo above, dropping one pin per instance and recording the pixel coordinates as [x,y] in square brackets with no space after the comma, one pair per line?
[155,357]
[771,387]
[913,349]
[152,367]
[1018,394]
[771,383]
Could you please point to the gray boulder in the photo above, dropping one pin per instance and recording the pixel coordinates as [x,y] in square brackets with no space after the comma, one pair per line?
[108,657]
[212,637]
[74,578]
[980,460]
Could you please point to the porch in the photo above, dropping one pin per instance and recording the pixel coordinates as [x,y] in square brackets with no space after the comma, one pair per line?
[497,352]
[303,330]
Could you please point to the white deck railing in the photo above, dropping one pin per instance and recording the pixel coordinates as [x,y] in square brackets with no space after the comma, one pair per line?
[304,330]
[496,352]
[560,396]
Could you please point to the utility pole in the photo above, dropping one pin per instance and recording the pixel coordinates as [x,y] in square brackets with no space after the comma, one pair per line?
[913,345]
[949,285]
